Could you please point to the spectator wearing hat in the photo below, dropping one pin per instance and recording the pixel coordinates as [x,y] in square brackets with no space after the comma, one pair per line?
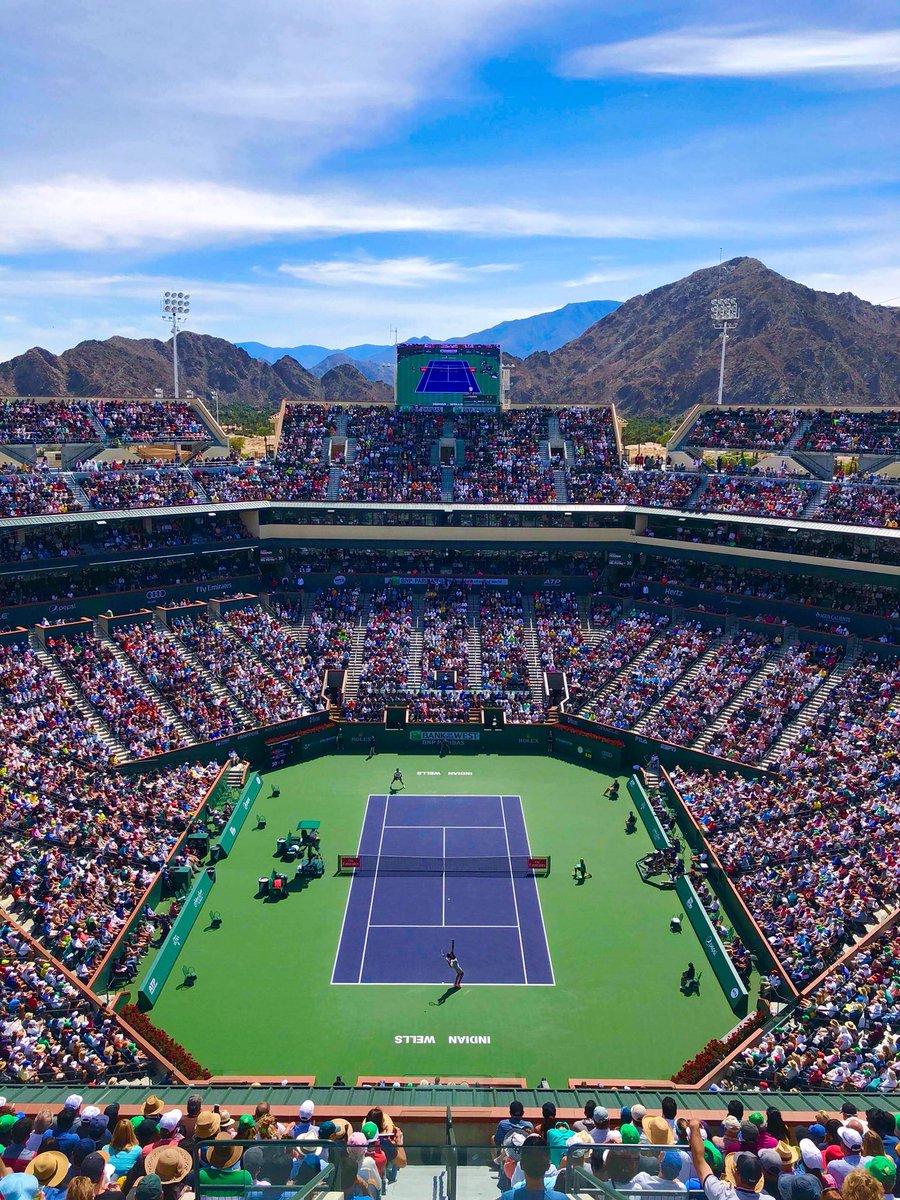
[658,1131]
[151,1110]
[883,1170]
[638,1112]
[587,1121]
[667,1180]
[840,1168]
[813,1163]
[770,1161]
[94,1167]
[167,1133]
[65,1131]
[173,1166]
[515,1121]
[600,1125]
[149,1187]
[747,1172]
[222,1174]
[304,1122]
[19,1187]
[367,1176]
[799,1187]
[49,1168]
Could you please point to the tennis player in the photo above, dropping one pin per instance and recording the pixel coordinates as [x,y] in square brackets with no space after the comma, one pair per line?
[453,964]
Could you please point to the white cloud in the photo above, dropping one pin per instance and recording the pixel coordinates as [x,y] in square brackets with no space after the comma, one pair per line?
[89,214]
[741,53]
[593,278]
[414,271]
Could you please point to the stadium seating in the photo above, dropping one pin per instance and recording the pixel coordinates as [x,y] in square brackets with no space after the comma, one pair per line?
[384,677]
[744,428]
[24,422]
[849,432]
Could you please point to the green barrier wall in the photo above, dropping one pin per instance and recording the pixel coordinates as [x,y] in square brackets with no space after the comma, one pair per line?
[723,967]
[241,811]
[658,835]
[161,967]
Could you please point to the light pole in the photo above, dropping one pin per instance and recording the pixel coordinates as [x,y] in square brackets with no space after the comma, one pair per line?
[722,311]
[175,306]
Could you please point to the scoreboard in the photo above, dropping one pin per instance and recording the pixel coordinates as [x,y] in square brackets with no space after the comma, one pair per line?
[449,377]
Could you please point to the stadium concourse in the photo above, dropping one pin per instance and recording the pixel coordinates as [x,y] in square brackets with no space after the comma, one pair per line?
[510,612]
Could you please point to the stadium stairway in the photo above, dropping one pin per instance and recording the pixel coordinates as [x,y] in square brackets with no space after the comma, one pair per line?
[815,503]
[612,684]
[682,684]
[416,644]
[794,441]
[474,637]
[351,681]
[129,669]
[77,494]
[747,690]
[246,718]
[532,651]
[334,483]
[298,629]
[559,482]
[810,709]
[237,773]
[447,484]
[265,666]
[75,694]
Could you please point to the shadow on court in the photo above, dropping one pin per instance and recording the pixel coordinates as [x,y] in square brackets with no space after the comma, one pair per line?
[451,991]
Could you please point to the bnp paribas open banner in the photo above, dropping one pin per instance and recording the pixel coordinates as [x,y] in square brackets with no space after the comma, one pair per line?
[723,968]
[658,835]
[238,816]
[161,967]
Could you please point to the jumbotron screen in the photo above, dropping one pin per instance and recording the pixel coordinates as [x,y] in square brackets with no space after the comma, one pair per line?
[448,376]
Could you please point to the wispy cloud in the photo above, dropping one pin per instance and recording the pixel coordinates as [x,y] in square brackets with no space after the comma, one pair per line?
[415,271]
[740,53]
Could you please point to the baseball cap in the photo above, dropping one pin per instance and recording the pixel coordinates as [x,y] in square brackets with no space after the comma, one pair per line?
[670,1165]
[757,1118]
[171,1120]
[638,1112]
[327,1130]
[630,1134]
[370,1129]
[357,1139]
[748,1167]
[19,1186]
[91,1111]
[882,1168]
[600,1113]
[749,1132]
[818,1131]
[93,1165]
[73,1102]
[811,1154]
[713,1156]
[799,1187]
[307,1108]
[149,1188]
[625,1113]
[771,1161]
[851,1137]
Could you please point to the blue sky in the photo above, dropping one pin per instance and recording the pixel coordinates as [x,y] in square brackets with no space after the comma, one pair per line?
[321,173]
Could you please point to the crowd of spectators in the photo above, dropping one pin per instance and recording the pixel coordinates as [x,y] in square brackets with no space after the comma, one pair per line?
[28,422]
[847,432]
[35,709]
[384,675]
[759,719]
[264,695]
[304,430]
[149,421]
[53,1031]
[502,459]
[30,495]
[130,713]
[744,428]
[275,646]
[759,496]
[392,456]
[592,434]
[844,1036]
[688,710]
[505,679]
[152,487]
[160,659]
[861,504]
[264,480]
[646,489]
[445,648]
[643,684]
[74,880]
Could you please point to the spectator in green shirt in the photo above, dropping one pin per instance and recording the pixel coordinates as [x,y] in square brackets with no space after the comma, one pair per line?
[222,1175]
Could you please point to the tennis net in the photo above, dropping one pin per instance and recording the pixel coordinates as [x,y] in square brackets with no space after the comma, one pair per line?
[520,865]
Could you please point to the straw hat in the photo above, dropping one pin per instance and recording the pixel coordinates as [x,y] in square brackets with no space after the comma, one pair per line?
[224,1153]
[658,1131]
[49,1168]
[207,1125]
[170,1163]
[152,1106]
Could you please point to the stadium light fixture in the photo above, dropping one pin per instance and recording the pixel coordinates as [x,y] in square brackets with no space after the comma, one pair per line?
[724,311]
[175,306]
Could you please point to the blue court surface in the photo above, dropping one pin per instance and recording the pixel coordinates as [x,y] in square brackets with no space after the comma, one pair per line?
[441,376]
[463,880]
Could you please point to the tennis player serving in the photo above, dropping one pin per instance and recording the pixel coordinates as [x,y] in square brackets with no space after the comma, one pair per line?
[453,964]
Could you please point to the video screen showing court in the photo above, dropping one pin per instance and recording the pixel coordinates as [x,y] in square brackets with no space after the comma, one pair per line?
[448,376]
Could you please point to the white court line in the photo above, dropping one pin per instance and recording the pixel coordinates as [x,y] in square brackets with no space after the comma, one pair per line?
[350,889]
[537,892]
[362,959]
[432,983]
[443,875]
[512,884]
[445,826]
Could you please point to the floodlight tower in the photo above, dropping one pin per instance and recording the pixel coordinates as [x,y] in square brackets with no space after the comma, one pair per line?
[175,306]
[723,312]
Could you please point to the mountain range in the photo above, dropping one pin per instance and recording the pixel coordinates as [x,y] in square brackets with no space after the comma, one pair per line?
[654,355]
[545,331]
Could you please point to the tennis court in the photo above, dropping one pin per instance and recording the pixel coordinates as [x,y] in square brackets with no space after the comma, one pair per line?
[440,869]
[441,376]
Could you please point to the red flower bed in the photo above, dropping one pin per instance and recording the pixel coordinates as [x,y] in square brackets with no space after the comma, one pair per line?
[716,1049]
[167,1046]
